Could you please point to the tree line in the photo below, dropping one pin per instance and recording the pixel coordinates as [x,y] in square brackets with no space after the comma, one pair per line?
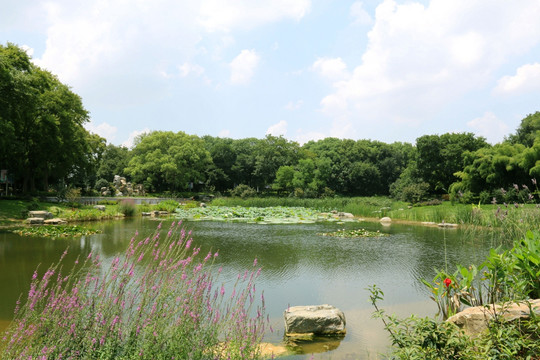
[45,146]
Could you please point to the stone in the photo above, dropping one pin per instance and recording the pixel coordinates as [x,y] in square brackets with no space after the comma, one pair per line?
[203,205]
[345,215]
[40,214]
[385,219]
[474,320]
[35,220]
[55,221]
[447,225]
[146,213]
[99,207]
[315,319]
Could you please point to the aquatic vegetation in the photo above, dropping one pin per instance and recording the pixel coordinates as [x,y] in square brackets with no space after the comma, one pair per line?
[264,215]
[355,233]
[55,231]
[160,300]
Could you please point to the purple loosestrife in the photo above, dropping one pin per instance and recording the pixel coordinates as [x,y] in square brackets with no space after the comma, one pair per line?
[165,305]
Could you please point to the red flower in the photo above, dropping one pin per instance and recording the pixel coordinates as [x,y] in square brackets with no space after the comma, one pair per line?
[447,282]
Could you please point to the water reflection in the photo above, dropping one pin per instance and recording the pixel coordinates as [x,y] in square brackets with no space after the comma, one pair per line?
[300,267]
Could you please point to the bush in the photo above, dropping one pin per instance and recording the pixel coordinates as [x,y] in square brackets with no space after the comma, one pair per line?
[243,191]
[167,205]
[159,300]
[127,207]
[102,183]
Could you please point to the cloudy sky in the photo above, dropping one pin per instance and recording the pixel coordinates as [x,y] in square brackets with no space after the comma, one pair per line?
[388,70]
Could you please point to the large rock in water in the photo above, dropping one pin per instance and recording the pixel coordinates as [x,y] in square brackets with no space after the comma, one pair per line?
[474,320]
[315,319]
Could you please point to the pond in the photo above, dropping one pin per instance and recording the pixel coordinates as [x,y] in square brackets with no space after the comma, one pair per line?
[300,267]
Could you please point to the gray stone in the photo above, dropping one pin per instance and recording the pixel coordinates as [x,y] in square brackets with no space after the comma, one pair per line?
[55,221]
[475,320]
[447,225]
[40,214]
[385,219]
[35,220]
[345,215]
[315,319]
[146,213]
[100,207]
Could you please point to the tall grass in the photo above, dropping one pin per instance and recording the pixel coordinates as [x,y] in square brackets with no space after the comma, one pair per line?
[160,300]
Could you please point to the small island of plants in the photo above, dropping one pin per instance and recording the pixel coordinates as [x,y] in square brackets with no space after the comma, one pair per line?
[354,233]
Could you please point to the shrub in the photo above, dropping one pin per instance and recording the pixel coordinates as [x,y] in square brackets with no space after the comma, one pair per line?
[159,300]
[127,207]
[167,205]
[243,191]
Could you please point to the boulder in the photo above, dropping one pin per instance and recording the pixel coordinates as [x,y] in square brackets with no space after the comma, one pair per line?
[40,214]
[447,225]
[55,221]
[385,219]
[315,319]
[35,221]
[474,320]
[100,207]
[345,215]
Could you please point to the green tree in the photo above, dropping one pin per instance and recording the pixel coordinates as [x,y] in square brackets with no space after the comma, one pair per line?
[439,157]
[42,123]
[163,160]
[114,161]
[527,131]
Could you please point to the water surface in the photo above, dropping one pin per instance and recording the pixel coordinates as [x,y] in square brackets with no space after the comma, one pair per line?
[300,267]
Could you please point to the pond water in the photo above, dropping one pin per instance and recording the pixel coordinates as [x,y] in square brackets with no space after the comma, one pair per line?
[300,267]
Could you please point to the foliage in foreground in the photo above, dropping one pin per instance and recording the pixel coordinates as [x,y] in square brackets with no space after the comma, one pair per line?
[159,300]
[505,276]
[354,233]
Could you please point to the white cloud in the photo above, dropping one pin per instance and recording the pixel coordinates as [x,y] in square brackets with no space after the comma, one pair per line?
[420,58]
[303,137]
[131,139]
[278,129]
[490,127]
[28,50]
[527,79]
[243,67]
[225,133]
[291,105]
[331,69]
[218,15]
[188,69]
[104,130]
[359,14]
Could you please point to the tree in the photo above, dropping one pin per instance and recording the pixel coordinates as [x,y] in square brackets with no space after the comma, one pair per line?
[163,160]
[114,161]
[439,157]
[527,131]
[42,123]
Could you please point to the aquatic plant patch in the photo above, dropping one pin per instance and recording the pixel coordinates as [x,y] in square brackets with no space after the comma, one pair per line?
[355,233]
[56,231]
[266,215]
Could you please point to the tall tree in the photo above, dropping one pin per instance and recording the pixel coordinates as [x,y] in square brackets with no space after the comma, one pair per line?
[164,160]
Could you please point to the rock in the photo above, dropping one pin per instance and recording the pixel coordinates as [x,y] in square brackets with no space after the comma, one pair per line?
[428,223]
[385,219]
[55,221]
[40,214]
[203,205]
[474,320]
[155,213]
[272,351]
[447,225]
[163,213]
[315,319]
[35,221]
[100,207]
[345,215]
[146,213]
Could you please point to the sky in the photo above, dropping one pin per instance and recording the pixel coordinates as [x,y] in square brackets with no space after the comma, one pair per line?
[386,70]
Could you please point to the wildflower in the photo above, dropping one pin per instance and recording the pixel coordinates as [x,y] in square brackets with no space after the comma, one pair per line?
[533,180]
[447,282]
[515,186]
[494,200]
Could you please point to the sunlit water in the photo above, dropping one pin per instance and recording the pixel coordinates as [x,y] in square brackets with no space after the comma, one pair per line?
[300,267]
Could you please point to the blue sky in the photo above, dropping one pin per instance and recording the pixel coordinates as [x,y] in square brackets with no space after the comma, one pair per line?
[386,70]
